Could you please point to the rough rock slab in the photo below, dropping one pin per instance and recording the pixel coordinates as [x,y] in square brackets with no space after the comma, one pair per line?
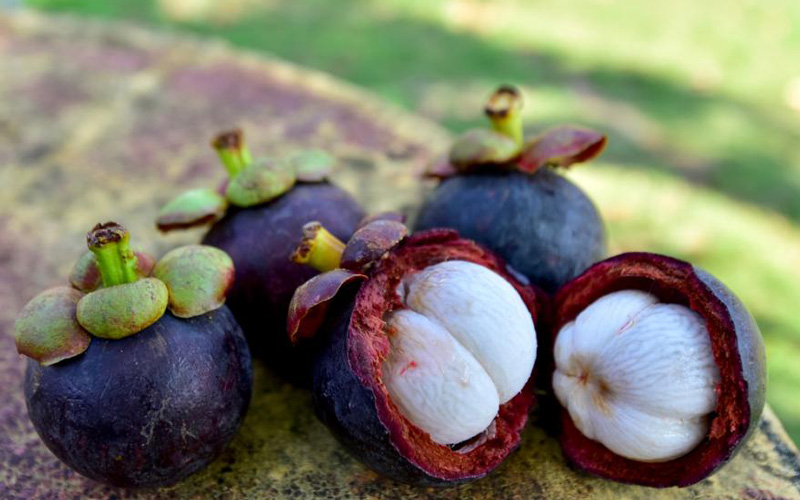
[105,122]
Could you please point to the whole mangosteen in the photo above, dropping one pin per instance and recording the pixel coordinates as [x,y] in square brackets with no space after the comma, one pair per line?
[255,217]
[427,346]
[659,369]
[136,380]
[502,192]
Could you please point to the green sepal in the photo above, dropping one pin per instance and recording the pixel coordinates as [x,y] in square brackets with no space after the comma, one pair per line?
[260,182]
[85,275]
[482,147]
[47,329]
[122,310]
[312,165]
[197,277]
[193,208]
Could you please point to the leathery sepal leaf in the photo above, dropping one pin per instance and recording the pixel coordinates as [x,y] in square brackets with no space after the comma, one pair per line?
[122,310]
[371,242]
[47,329]
[394,216]
[198,278]
[85,275]
[261,182]
[196,207]
[561,147]
[440,168]
[312,165]
[481,147]
[311,300]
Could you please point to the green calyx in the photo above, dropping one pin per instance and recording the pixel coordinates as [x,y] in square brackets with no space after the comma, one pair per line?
[481,147]
[503,147]
[312,165]
[197,278]
[192,208]
[126,304]
[261,182]
[123,310]
[47,329]
[250,182]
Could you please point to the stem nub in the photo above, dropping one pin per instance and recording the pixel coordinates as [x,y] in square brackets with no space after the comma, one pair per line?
[232,151]
[504,110]
[110,243]
[318,248]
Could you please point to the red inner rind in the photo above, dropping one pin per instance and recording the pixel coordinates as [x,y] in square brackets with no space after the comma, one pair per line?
[368,347]
[672,281]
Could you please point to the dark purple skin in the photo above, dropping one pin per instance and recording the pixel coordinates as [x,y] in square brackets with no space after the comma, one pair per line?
[339,402]
[543,225]
[260,241]
[147,410]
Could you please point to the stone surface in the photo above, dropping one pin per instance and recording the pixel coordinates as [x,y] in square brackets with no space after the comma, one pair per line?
[102,122]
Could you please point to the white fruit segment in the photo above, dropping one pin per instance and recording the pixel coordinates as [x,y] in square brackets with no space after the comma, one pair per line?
[637,375]
[435,382]
[465,346]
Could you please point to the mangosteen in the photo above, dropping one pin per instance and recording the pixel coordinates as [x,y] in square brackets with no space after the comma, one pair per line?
[504,193]
[427,346]
[136,378]
[659,370]
[255,217]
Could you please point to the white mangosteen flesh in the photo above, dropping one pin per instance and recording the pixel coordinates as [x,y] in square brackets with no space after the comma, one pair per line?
[465,345]
[637,375]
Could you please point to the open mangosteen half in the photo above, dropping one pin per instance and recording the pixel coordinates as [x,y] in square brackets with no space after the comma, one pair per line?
[139,375]
[427,346]
[255,216]
[503,192]
[659,369]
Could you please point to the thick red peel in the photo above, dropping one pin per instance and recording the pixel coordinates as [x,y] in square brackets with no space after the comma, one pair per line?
[311,300]
[730,327]
[368,347]
[371,242]
[561,147]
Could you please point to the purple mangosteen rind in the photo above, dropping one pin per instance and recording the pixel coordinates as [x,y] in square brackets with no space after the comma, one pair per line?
[350,398]
[542,224]
[737,348]
[260,241]
[148,426]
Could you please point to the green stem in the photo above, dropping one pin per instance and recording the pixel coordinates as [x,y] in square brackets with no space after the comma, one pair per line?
[318,248]
[232,151]
[110,244]
[504,110]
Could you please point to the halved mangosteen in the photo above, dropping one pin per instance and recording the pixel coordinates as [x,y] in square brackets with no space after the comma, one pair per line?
[428,344]
[659,368]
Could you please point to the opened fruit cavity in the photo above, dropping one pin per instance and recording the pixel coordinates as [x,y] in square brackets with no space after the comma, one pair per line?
[463,345]
[637,375]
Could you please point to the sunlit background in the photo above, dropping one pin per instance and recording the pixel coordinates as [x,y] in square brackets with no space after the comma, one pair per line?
[701,100]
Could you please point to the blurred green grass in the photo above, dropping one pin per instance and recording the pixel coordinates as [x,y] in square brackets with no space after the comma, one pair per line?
[704,150]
